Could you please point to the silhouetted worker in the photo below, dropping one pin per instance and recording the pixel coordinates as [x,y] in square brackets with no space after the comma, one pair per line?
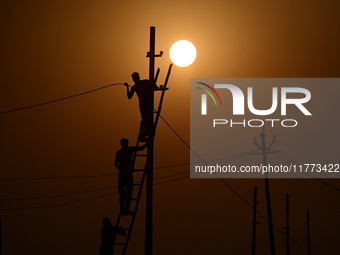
[144,90]
[124,164]
[108,234]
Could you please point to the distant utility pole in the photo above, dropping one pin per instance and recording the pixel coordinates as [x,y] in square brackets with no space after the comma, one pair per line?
[308,233]
[149,164]
[254,222]
[264,153]
[287,228]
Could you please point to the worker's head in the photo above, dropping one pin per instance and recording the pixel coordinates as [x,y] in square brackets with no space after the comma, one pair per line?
[135,77]
[106,222]
[124,142]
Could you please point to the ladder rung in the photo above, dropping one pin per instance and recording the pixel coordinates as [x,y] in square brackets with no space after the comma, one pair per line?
[161,89]
[138,170]
[141,155]
[131,213]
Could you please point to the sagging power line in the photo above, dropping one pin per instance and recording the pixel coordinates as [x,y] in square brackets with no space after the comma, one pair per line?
[81,192]
[226,158]
[82,200]
[60,99]
[286,160]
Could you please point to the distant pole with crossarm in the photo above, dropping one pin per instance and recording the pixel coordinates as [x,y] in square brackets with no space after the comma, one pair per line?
[264,152]
[253,243]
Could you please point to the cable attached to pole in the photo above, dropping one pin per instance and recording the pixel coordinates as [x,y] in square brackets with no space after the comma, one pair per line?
[60,99]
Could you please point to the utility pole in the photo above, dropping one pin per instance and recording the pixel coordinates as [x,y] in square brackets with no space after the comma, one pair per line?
[308,233]
[287,228]
[254,222]
[149,163]
[266,180]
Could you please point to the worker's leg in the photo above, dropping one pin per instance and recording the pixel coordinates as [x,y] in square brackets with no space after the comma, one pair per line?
[129,187]
[121,190]
[147,119]
[142,132]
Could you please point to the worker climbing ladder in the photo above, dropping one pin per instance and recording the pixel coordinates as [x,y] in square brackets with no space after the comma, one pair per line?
[127,220]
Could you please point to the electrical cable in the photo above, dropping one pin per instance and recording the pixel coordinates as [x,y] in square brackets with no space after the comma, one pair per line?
[78,200]
[285,159]
[234,191]
[60,99]
[55,196]
[106,175]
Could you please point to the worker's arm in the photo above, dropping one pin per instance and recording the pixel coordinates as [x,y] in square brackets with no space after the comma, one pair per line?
[140,148]
[121,231]
[128,91]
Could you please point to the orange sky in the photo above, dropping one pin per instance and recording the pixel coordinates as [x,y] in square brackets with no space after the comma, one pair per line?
[52,49]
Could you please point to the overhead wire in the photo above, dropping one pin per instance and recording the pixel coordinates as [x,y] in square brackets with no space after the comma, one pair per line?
[235,157]
[242,198]
[237,194]
[225,183]
[56,196]
[226,158]
[233,190]
[56,177]
[60,99]
[58,204]
[285,159]
[80,192]
[79,200]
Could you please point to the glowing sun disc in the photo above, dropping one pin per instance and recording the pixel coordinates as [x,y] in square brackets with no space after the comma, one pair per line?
[182,53]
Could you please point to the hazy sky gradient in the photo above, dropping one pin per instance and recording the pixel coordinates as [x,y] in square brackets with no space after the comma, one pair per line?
[52,49]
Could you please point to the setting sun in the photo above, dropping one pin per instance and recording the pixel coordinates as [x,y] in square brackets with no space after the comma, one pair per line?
[182,53]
